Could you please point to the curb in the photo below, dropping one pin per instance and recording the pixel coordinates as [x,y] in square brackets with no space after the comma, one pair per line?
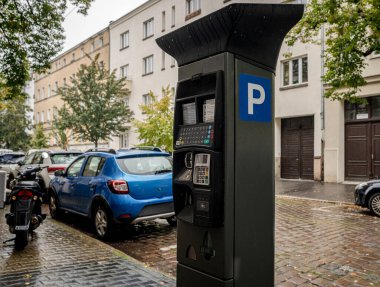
[315,199]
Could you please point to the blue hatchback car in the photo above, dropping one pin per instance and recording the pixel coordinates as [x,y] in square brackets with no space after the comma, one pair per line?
[115,188]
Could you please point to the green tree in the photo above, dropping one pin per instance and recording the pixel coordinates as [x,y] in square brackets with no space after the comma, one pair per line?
[15,122]
[95,100]
[39,139]
[157,127]
[60,130]
[31,34]
[352,33]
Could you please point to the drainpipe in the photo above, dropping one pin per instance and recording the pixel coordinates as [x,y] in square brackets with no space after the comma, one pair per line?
[322,100]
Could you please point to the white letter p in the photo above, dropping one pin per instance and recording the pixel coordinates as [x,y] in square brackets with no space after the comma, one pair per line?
[255,101]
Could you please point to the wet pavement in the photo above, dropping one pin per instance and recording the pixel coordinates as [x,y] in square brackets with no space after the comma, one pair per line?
[318,243]
[61,256]
[316,190]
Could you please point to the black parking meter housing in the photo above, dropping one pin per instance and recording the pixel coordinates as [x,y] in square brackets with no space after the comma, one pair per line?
[223,159]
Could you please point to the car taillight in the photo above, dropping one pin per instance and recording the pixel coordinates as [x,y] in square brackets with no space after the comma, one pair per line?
[24,194]
[55,168]
[118,186]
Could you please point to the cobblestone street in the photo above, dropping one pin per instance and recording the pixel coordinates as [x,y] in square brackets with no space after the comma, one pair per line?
[317,244]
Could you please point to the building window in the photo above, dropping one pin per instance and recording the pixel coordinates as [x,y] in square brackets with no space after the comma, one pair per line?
[163,21]
[147,99]
[124,71]
[148,65]
[100,42]
[126,100]
[38,95]
[64,82]
[173,16]
[43,93]
[56,86]
[294,71]
[163,61]
[101,65]
[73,57]
[370,110]
[38,118]
[124,140]
[49,91]
[172,62]
[192,6]
[48,115]
[55,112]
[81,52]
[92,46]
[42,117]
[124,40]
[148,28]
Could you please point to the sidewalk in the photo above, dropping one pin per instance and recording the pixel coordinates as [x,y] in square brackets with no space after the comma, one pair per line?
[316,190]
[62,256]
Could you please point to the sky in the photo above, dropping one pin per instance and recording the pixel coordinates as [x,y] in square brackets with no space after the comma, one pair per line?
[78,27]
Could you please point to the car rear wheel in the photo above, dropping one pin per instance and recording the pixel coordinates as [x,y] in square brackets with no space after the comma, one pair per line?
[102,223]
[374,204]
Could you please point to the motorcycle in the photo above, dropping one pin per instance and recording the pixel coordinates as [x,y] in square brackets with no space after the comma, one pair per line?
[25,211]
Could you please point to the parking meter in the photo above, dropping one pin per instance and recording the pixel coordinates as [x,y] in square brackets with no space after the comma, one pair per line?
[223,159]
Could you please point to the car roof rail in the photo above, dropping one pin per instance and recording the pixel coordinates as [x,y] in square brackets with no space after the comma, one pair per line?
[152,148]
[109,150]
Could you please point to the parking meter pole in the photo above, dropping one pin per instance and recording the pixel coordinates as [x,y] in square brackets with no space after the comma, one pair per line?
[3,177]
[223,160]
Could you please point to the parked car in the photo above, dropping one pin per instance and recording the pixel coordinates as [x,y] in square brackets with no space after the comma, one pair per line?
[3,151]
[367,194]
[8,161]
[55,160]
[115,188]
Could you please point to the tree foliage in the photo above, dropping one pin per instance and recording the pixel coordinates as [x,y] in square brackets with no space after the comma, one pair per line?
[60,130]
[95,100]
[31,34]
[157,127]
[39,139]
[14,123]
[352,33]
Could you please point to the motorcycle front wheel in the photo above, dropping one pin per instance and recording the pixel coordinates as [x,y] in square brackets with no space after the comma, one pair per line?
[21,239]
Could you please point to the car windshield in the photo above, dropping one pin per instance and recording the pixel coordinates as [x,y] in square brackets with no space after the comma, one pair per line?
[145,165]
[63,158]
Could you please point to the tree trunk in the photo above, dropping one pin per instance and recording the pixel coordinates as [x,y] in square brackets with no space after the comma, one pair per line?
[96,143]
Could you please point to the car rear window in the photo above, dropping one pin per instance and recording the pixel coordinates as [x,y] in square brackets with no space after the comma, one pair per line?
[64,158]
[145,165]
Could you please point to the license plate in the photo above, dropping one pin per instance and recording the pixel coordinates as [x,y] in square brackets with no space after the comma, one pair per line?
[22,227]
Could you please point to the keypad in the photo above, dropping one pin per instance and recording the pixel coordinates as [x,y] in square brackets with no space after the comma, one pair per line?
[196,135]
[202,175]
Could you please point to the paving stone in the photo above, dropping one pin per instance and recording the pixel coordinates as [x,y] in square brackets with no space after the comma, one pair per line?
[317,244]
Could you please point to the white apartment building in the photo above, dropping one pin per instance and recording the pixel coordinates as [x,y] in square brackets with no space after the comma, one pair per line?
[320,139]
[315,138]
[135,54]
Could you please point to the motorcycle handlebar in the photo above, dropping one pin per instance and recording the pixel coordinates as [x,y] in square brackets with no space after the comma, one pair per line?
[36,169]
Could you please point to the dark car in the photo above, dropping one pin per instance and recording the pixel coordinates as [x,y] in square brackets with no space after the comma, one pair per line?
[367,194]
[115,188]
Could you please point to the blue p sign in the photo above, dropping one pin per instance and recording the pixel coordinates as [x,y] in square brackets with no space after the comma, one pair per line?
[255,96]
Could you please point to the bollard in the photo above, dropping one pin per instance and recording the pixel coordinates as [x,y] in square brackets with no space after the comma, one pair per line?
[3,176]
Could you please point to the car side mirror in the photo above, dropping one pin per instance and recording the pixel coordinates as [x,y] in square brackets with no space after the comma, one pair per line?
[59,173]
[20,163]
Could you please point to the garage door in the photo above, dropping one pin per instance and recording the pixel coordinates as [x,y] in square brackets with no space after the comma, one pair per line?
[297,148]
[362,150]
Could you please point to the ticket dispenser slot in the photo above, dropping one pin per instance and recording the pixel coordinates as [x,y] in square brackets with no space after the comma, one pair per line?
[197,185]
